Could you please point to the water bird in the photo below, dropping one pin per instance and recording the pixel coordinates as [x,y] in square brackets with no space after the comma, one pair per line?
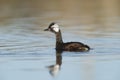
[68,46]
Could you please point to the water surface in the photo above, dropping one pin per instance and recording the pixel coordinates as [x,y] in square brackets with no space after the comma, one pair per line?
[28,53]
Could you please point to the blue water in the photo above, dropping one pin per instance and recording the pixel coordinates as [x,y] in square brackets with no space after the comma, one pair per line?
[28,53]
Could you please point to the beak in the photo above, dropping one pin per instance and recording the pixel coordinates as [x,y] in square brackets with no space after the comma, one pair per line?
[46,29]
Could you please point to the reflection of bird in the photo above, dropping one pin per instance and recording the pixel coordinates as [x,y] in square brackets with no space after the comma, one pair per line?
[69,46]
[54,69]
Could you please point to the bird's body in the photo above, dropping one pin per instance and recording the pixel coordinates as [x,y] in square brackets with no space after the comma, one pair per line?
[75,46]
[69,46]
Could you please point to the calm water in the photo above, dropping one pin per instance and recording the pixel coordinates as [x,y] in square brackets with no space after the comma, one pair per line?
[28,53]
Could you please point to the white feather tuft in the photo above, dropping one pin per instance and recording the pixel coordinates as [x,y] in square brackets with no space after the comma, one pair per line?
[55,28]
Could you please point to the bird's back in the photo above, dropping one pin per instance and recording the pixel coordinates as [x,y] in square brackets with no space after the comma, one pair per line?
[75,46]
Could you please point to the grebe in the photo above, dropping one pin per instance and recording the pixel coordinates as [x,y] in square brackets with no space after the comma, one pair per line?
[69,46]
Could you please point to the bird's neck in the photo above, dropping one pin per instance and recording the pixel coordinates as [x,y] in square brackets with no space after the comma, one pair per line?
[59,40]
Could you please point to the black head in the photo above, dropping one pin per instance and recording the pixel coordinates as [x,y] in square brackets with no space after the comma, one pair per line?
[53,27]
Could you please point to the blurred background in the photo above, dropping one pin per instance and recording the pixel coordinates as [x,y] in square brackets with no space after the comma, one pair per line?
[105,12]
[103,15]
[26,50]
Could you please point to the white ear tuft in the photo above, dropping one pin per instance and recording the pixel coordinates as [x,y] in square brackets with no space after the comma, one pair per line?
[55,28]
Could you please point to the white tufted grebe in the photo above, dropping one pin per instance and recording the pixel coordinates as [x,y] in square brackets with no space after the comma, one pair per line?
[69,46]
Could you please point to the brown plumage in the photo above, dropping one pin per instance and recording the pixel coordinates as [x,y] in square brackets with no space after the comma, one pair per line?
[69,46]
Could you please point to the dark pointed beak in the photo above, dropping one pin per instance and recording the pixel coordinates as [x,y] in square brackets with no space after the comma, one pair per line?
[46,29]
